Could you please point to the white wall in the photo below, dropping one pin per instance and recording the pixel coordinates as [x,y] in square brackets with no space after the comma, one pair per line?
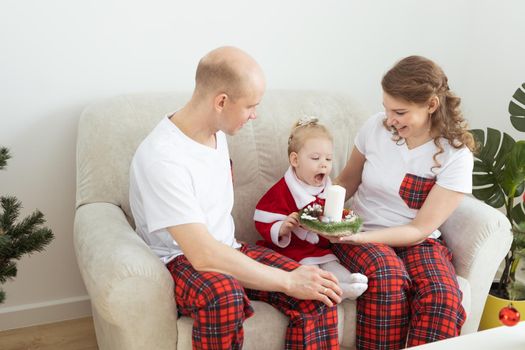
[56,56]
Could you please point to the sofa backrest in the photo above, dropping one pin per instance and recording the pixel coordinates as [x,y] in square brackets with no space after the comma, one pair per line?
[110,131]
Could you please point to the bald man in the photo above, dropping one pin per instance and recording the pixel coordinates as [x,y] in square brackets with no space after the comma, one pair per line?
[181,196]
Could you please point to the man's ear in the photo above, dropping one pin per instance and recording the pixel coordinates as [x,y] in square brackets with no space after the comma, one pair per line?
[219,101]
[433,104]
[293,159]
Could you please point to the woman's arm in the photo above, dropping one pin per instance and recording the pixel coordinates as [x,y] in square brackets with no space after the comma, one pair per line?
[438,206]
[350,177]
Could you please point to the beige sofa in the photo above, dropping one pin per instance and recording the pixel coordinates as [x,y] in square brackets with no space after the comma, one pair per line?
[131,291]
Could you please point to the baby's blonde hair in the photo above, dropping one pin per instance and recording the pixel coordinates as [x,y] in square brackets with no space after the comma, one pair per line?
[305,128]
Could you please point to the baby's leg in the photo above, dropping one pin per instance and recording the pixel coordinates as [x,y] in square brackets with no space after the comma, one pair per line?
[352,284]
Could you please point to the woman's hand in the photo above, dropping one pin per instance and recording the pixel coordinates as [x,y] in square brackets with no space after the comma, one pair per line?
[291,222]
[355,238]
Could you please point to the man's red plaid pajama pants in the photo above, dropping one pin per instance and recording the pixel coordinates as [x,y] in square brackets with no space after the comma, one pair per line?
[219,305]
[412,298]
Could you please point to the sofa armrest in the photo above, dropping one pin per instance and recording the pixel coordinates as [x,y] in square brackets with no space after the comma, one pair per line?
[479,237]
[474,231]
[129,287]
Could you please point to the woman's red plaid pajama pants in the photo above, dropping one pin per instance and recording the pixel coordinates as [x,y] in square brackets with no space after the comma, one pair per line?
[219,305]
[412,298]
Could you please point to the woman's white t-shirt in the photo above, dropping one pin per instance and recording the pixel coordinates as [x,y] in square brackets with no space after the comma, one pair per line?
[388,165]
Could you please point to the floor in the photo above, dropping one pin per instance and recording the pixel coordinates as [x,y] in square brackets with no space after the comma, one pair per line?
[76,334]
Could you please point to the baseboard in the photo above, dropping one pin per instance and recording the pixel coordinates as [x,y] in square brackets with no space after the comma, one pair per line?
[47,312]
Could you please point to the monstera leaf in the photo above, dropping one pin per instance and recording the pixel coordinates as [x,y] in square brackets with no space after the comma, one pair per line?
[517,113]
[498,178]
[518,214]
[513,175]
[489,164]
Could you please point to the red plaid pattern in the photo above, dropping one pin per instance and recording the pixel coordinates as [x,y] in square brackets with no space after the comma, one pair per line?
[219,305]
[412,298]
[415,189]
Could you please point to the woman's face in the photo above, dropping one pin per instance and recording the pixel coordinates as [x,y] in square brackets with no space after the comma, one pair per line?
[313,162]
[411,120]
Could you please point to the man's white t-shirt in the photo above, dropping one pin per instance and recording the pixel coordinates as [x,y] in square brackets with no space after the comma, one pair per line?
[175,180]
[377,199]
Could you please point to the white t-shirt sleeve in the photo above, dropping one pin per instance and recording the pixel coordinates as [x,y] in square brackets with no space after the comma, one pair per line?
[168,197]
[456,174]
[366,131]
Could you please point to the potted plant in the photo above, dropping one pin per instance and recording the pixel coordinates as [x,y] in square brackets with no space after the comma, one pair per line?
[499,180]
[17,238]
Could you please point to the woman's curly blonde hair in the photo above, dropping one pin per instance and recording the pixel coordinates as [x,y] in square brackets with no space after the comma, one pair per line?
[417,79]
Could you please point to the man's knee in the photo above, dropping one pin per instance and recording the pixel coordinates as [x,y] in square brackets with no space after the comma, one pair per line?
[221,291]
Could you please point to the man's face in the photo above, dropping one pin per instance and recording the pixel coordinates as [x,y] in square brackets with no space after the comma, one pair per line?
[239,111]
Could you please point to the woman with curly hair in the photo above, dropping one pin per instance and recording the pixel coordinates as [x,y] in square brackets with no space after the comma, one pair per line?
[409,169]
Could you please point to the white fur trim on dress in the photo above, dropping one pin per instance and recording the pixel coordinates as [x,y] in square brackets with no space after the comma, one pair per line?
[267,217]
[312,237]
[300,233]
[303,234]
[301,195]
[282,241]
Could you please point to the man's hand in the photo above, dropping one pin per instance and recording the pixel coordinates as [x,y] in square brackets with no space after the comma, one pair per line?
[291,222]
[312,283]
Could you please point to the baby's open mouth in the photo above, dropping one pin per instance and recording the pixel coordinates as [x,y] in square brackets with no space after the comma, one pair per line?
[319,177]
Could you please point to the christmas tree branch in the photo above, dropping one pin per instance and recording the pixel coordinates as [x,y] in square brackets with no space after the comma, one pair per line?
[31,242]
[4,156]
[17,239]
[11,208]
[7,271]
[28,224]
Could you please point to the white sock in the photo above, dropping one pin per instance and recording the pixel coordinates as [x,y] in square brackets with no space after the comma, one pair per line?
[352,284]
[353,290]
[357,278]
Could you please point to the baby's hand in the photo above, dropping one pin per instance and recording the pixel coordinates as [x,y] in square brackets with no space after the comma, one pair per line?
[291,222]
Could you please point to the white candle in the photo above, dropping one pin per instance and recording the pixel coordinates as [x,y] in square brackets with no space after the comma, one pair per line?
[334,203]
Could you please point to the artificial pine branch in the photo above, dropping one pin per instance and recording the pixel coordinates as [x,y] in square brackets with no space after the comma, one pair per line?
[11,208]
[33,241]
[18,238]
[28,224]
[6,244]
[7,271]
[4,156]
